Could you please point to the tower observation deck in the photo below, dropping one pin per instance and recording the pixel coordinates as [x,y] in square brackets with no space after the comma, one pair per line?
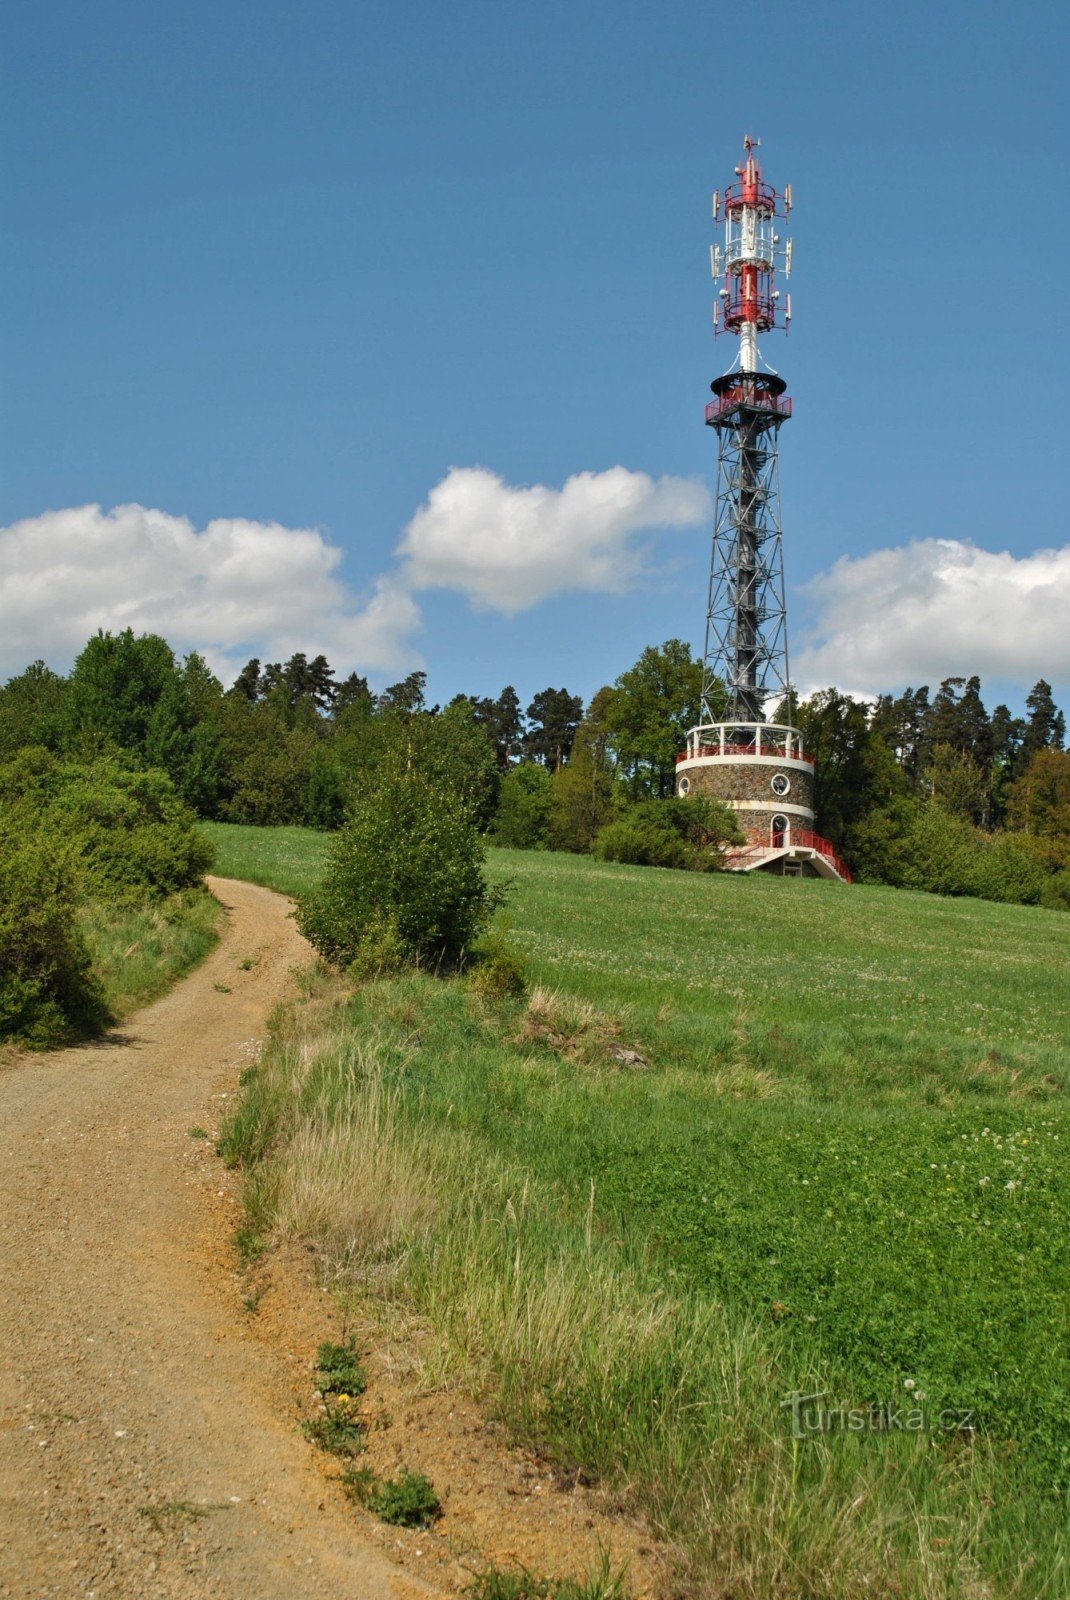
[758,768]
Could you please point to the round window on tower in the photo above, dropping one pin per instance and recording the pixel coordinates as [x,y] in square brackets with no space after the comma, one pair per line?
[684,786]
[780,784]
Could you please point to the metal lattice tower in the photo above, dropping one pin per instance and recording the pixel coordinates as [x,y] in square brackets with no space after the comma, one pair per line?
[746,645]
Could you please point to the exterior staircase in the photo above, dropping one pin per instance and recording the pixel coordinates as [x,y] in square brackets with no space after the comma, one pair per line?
[797,844]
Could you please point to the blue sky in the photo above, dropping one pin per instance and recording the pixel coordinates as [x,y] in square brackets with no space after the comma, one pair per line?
[291,264]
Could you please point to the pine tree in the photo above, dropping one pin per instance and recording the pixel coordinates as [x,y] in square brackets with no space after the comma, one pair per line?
[246,685]
[553,717]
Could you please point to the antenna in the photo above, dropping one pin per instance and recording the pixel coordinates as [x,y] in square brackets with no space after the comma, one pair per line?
[735,753]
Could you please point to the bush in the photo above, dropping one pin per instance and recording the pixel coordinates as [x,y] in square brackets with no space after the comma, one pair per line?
[499,970]
[642,843]
[406,871]
[688,833]
[47,990]
[523,805]
[942,854]
[1055,895]
[129,831]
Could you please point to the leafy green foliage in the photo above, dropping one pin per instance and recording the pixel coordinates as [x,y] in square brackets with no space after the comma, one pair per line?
[407,1501]
[127,828]
[408,865]
[117,683]
[553,718]
[48,990]
[498,969]
[1038,803]
[649,711]
[524,799]
[32,710]
[338,1428]
[581,793]
[339,1369]
[680,832]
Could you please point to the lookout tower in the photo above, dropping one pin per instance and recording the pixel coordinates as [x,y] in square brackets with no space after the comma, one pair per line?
[758,768]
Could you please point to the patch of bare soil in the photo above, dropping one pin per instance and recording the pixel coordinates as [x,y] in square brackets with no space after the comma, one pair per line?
[151,1391]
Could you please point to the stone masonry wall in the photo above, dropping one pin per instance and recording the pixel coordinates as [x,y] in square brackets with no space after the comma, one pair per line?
[732,780]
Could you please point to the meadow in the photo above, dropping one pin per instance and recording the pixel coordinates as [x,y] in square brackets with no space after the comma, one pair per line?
[839,1166]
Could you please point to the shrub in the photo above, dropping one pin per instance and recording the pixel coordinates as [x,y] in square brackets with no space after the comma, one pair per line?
[523,805]
[676,832]
[47,990]
[1006,869]
[131,834]
[642,844]
[499,969]
[406,869]
[944,855]
[1055,895]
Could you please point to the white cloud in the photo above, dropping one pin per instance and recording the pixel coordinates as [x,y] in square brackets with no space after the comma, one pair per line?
[923,611]
[509,548]
[230,590]
[237,588]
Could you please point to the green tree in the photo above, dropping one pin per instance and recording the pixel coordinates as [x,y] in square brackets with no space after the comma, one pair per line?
[353,698]
[959,785]
[854,772]
[653,705]
[553,717]
[688,833]
[114,689]
[504,724]
[407,697]
[1046,726]
[523,807]
[184,737]
[902,723]
[581,793]
[247,684]
[1038,804]
[32,707]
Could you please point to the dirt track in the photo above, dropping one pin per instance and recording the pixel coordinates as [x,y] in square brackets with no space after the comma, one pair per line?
[129,1393]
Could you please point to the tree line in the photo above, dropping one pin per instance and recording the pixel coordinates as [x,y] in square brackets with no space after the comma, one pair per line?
[926,788]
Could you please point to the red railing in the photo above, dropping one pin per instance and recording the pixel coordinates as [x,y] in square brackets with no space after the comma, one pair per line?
[704,751]
[812,841]
[748,395]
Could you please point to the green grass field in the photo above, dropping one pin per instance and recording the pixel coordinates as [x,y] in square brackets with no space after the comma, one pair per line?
[850,1142]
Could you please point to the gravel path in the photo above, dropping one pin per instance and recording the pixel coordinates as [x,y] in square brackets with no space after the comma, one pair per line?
[147,1442]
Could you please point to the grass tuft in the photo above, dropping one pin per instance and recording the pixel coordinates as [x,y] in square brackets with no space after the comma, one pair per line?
[139,952]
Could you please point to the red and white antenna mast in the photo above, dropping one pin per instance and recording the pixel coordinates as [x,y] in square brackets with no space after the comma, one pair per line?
[749,300]
[746,619]
[755,766]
